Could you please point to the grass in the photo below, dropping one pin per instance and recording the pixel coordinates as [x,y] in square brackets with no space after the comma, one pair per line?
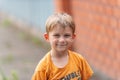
[8,58]
[6,22]
[14,75]
[37,41]
[26,36]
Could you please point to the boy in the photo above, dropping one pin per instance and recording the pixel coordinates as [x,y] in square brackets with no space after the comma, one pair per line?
[60,63]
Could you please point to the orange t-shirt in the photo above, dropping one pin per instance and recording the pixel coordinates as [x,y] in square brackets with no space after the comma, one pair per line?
[77,68]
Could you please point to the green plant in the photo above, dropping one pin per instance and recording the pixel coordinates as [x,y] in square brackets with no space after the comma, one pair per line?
[2,75]
[14,75]
[8,58]
[6,23]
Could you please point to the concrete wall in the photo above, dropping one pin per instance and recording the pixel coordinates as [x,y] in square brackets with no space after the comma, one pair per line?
[33,12]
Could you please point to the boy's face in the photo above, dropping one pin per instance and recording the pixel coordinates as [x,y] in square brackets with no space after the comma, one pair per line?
[60,38]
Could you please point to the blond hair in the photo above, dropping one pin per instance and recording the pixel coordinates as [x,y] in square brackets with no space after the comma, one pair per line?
[62,19]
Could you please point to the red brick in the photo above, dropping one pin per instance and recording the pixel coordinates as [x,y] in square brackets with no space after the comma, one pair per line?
[101,20]
[105,2]
[112,2]
[114,43]
[113,22]
[116,65]
[106,41]
[100,58]
[94,27]
[110,33]
[118,76]
[75,2]
[58,5]
[118,72]
[118,3]
[116,68]
[62,6]
[82,5]
[102,30]
[105,20]
[112,73]
[118,24]
[100,9]
[96,18]
[93,8]
[108,10]
[111,53]
[118,55]
[99,42]
[116,12]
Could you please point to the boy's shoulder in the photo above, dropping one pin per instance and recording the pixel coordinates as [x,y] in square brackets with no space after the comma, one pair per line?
[75,54]
[43,63]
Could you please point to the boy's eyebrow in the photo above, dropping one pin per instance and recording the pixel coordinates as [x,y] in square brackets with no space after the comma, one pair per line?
[55,33]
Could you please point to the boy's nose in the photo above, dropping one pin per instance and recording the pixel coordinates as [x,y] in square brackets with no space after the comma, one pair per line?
[61,39]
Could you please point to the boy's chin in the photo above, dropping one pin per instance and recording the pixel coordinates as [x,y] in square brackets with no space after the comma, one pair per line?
[61,50]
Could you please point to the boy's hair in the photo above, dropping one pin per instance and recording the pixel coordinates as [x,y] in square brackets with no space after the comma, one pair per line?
[62,19]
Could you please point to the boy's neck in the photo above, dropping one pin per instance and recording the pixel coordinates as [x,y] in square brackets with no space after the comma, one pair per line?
[59,59]
[56,54]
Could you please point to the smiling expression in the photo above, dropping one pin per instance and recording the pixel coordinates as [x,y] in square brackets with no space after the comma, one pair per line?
[60,38]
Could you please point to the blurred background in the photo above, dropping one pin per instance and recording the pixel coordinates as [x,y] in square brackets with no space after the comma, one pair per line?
[22,24]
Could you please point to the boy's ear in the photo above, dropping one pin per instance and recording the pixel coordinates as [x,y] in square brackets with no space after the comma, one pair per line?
[74,35]
[46,36]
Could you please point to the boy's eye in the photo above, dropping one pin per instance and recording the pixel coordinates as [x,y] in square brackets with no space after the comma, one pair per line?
[67,35]
[56,35]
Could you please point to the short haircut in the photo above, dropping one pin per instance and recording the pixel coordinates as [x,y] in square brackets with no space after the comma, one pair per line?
[62,19]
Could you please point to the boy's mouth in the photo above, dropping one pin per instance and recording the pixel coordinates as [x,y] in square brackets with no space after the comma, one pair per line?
[61,45]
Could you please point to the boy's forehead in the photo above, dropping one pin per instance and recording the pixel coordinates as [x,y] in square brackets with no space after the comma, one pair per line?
[61,29]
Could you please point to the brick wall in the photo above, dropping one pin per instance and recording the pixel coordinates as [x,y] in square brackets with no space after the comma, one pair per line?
[98,32]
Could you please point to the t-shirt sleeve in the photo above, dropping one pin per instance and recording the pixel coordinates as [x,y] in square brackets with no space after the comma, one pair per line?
[41,71]
[86,70]
[39,75]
